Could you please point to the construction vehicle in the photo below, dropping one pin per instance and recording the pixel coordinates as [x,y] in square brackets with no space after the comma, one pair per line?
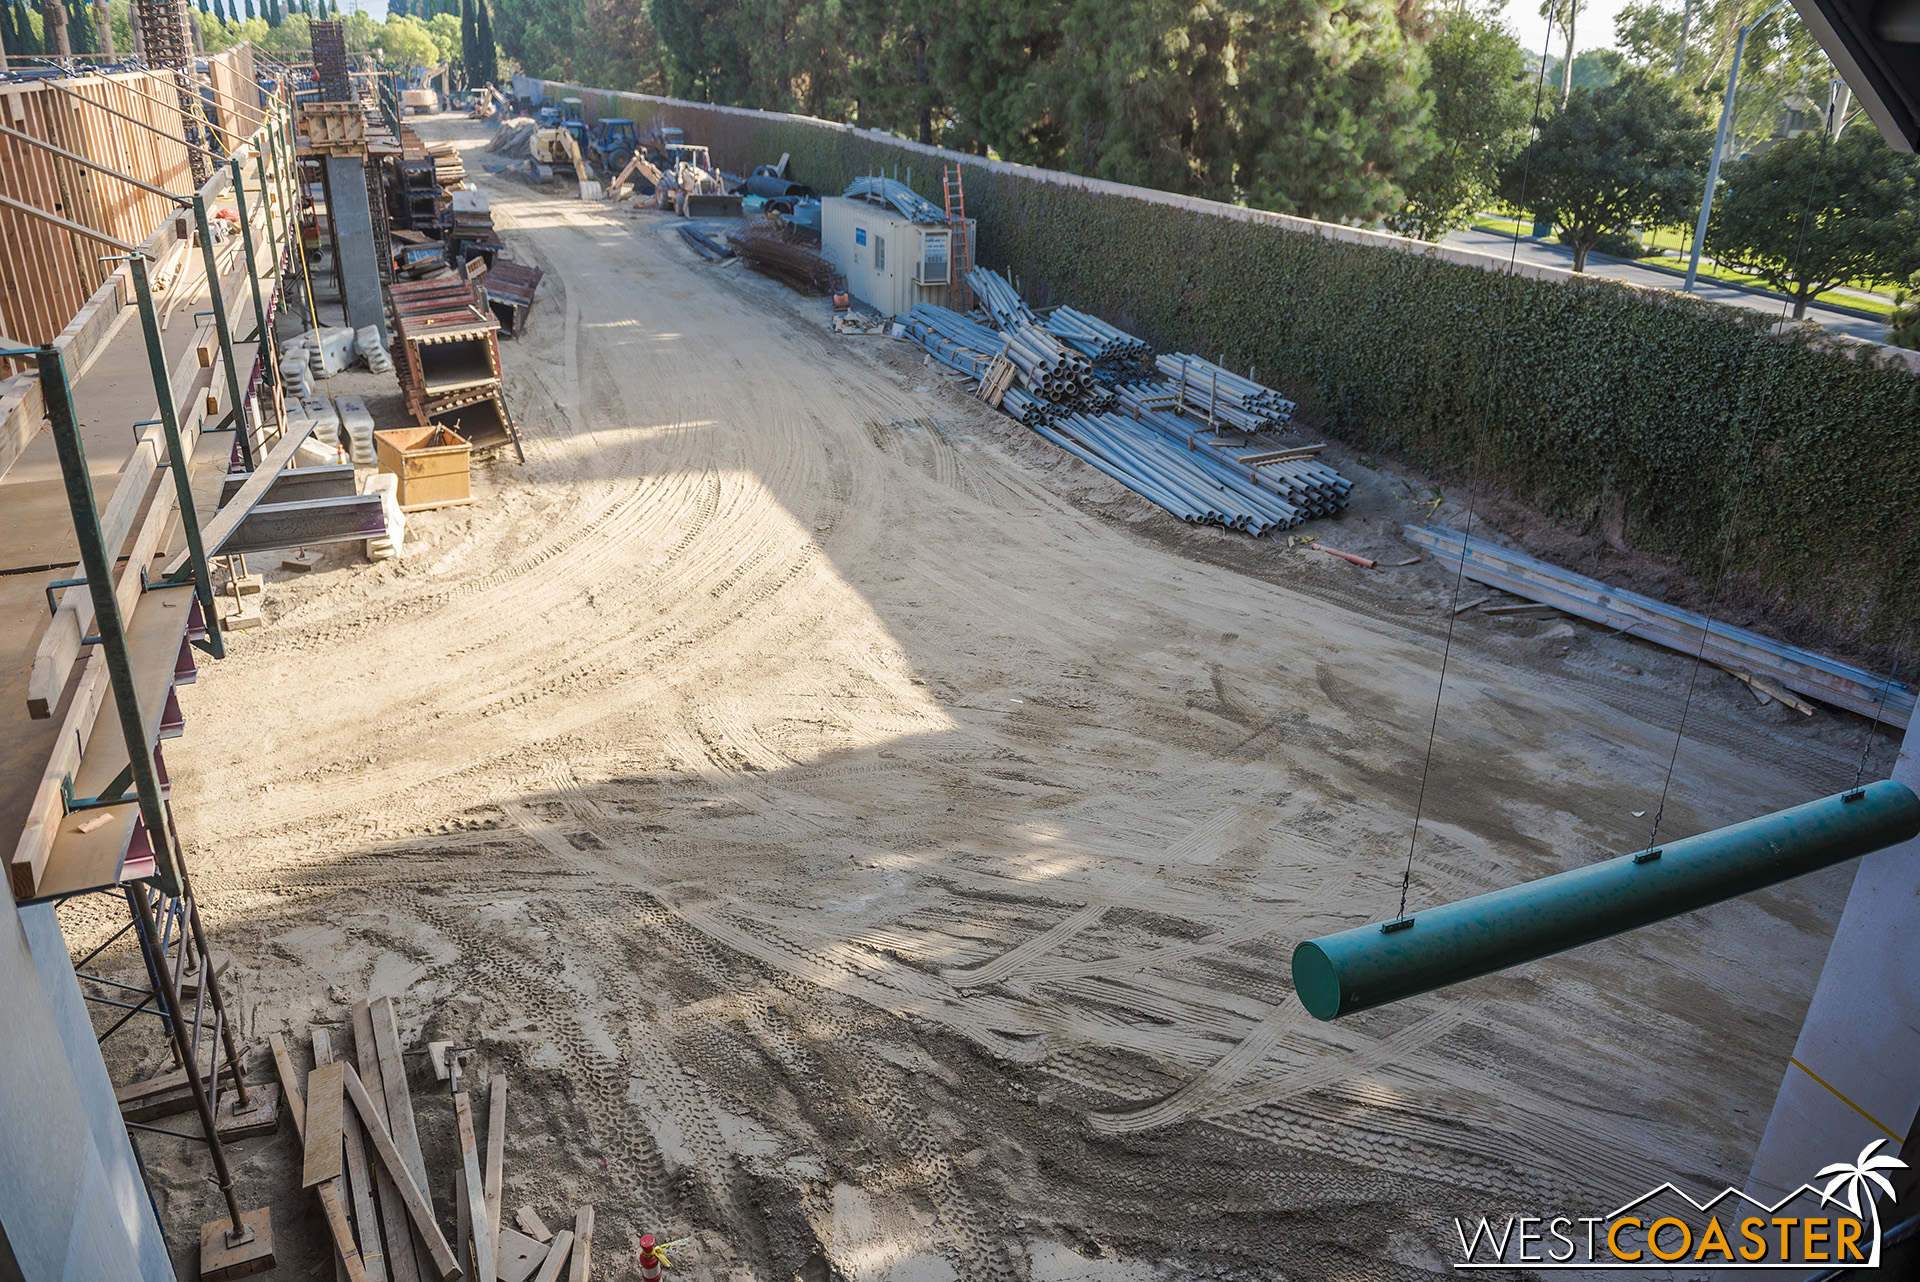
[559,142]
[612,143]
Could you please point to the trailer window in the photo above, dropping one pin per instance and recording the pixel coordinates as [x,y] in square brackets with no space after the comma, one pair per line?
[933,258]
[879,253]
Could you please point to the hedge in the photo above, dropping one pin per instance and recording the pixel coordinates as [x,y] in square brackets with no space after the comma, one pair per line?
[1783,458]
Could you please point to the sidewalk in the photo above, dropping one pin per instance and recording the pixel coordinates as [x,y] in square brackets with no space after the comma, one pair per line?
[1551,253]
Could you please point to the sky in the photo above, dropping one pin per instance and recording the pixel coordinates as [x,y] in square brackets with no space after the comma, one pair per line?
[1594,30]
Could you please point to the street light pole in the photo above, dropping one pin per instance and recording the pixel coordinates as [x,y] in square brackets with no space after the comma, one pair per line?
[1720,145]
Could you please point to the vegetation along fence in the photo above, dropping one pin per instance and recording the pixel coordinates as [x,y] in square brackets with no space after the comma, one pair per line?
[1789,458]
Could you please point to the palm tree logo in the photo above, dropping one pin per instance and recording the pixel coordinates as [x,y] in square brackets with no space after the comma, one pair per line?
[1858,1176]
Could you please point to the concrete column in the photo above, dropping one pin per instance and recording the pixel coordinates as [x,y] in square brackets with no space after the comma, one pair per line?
[357,266]
[103,27]
[1853,1076]
[72,1205]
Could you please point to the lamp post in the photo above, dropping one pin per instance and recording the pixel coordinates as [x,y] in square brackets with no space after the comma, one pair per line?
[1720,145]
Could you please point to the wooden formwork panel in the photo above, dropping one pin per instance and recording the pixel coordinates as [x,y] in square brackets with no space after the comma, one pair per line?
[46,272]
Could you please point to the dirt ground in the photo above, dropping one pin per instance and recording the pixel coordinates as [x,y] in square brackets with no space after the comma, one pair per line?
[871,843]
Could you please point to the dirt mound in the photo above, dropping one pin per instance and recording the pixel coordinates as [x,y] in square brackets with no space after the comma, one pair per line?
[514,137]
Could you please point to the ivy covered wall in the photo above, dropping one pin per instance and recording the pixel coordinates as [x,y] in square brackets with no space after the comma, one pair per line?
[1797,463]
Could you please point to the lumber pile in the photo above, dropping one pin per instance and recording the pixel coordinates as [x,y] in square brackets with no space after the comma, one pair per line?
[1747,655]
[355,1119]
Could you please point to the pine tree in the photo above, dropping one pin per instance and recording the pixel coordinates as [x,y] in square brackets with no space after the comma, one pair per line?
[488,72]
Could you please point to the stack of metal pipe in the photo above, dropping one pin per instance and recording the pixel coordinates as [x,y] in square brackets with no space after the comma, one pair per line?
[999,299]
[1099,340]
[1219,395]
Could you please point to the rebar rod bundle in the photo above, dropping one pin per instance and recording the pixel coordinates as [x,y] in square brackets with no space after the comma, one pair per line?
[999,299]
[766,250]
[166,47]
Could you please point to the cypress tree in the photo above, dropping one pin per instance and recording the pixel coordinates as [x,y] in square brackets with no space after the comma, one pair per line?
[80,35]
[466,39]
[488,72]
[8,36]
[23,26]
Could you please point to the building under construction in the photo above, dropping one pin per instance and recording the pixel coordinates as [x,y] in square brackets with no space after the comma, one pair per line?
[531,751]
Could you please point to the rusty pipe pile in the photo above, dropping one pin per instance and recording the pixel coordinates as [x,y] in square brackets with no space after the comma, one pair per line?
[767,249]
[1102,343]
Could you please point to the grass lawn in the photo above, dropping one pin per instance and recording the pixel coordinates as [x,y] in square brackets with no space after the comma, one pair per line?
[1679,241]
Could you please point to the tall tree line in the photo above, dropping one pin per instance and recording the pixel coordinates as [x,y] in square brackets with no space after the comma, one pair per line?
[1316,107]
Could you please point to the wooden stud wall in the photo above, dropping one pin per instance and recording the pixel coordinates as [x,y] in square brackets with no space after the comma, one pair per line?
[47,274]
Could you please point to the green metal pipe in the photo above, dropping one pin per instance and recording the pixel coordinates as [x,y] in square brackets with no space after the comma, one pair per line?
[97,561]
[177,461]
[267,371]
[218,303]
[1372,965]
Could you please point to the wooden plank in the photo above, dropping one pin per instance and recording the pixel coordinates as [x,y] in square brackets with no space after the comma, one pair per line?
[336,1214]
[323,1143]
[393,1077]
[474,1185]
[496,1154]
[419,1210]
[402,1261]
[556,1257]
[518,1256]
[358,1194]
[532,1225]
[582,1244]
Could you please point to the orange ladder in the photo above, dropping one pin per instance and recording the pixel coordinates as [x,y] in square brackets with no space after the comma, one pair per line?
[959,257]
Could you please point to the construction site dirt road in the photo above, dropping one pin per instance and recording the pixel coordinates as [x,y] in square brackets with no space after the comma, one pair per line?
[872,844]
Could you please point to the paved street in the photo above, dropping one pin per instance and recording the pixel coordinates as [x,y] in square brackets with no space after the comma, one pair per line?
[1552,253]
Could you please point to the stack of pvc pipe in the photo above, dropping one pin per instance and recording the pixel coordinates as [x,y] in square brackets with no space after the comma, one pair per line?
[952,339]
[1099,340]
[1193,485]
[1210,391]
[999,299]
[1045,367]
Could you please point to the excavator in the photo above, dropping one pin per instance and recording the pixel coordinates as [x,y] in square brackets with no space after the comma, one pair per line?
[560,142]
[681,176]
